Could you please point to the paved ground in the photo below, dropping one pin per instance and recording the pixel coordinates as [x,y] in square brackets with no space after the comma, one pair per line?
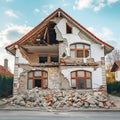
[35,115]
[116,100]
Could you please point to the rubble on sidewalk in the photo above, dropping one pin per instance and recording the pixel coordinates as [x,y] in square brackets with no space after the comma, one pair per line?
[61,99]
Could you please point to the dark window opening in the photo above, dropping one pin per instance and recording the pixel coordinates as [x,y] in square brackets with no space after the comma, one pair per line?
[54,59]
[42,59]
[52,34]
[37,83]
[68,29]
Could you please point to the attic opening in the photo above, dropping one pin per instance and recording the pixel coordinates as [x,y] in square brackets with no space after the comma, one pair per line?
[68,29]
[51,34]
[47,35]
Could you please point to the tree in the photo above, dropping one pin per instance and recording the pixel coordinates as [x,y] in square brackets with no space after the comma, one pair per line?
[113,56]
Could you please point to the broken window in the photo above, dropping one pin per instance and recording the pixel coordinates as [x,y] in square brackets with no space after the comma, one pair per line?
[68,29]
[51,34]
[42,59]
[54,59]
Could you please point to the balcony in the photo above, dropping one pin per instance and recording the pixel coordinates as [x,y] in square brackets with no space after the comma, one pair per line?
[69,61]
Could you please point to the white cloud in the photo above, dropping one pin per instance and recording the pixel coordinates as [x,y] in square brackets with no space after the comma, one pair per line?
[81,4]
[104,34]
[36,10]
[112,1]
[12,33]
[9,35]
[47,8]
[8,0]
[51,6]
[65,5]
[99,7]
[11,13]
[45,12]
[96,5]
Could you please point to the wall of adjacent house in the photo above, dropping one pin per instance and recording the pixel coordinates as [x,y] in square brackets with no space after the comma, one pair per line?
[117,75]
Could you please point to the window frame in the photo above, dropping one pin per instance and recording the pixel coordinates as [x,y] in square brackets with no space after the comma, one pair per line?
[49,58]
[83,49]
[85,78]
[33,78]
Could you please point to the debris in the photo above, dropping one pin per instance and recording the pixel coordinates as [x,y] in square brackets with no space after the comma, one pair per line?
[59,99]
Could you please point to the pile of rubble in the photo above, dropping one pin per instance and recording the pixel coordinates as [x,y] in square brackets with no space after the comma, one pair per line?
[56,99]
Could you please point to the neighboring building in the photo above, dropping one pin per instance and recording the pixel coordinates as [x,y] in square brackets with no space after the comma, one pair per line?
[59,53]
[6,80]
[4,69]
[116,69]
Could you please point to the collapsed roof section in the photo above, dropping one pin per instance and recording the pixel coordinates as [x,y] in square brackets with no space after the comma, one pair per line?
[44,33]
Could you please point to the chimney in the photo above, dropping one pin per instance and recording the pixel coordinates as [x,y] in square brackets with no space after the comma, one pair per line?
[6,64]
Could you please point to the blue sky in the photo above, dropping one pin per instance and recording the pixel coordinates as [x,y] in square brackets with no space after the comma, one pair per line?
[17,17]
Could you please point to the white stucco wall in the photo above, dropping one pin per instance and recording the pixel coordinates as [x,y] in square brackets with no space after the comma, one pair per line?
[97,51]
[96,75]
[20,57]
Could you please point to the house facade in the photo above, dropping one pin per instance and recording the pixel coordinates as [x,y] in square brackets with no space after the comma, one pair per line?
[116,68]
[59,53]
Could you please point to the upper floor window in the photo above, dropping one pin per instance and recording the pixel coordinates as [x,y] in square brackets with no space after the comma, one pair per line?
[79,50]
[68,29]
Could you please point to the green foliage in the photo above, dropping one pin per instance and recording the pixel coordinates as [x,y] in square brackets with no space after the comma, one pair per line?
[6,85]
[114,88]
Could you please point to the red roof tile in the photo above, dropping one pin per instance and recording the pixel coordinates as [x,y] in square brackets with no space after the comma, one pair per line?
[5,72]
[118,63]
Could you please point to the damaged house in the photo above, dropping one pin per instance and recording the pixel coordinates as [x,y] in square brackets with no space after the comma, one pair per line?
[59,53]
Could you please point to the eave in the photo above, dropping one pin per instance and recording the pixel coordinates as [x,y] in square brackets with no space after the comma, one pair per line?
[108,48]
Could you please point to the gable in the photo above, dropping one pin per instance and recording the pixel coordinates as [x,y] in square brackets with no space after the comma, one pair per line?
[40,31]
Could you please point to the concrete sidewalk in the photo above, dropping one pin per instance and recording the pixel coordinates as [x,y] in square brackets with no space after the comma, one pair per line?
[42,109]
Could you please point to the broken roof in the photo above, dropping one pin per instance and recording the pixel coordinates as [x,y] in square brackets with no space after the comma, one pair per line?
[115,66]
[59,11]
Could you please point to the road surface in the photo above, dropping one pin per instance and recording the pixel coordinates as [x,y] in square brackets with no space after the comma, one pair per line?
[36,115]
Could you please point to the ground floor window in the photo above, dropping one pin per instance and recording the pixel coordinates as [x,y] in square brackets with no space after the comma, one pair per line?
[37,79]
[81,80]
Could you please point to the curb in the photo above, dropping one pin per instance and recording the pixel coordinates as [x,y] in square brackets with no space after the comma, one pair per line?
[61,110]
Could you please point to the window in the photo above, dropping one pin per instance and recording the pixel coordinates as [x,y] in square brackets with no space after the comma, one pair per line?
[54,59]
[42,59]
[81,80]
[48,59]
[68,29]
[79,50]
[37,79]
